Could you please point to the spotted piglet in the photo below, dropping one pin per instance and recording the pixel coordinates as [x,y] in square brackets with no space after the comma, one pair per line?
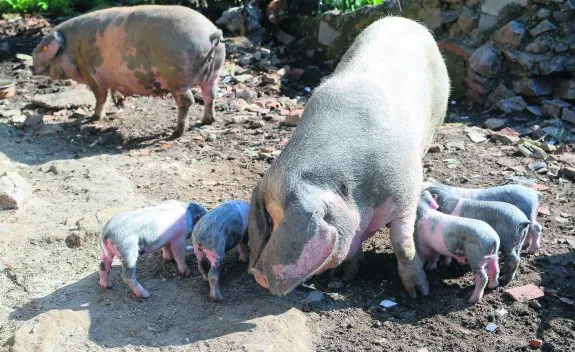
[132,233]
[507,220]
[463,239]
[217,232]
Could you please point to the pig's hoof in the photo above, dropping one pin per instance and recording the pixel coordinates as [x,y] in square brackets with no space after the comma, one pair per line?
[217,297]
[105,284]
[207,121]
[176,134]
[474,300]
[142,294]
[186,273]
[94,118]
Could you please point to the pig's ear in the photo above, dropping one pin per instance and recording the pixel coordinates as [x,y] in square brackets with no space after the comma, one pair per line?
[434,203]
[259,226]
[53,47]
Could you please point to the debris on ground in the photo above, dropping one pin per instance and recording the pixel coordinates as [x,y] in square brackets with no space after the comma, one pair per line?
[491,327]
[525,293]
[386,303]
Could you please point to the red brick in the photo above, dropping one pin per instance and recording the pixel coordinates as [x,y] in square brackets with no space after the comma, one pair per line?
[525,293]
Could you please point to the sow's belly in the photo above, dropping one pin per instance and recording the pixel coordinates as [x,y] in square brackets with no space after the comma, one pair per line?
[129,82]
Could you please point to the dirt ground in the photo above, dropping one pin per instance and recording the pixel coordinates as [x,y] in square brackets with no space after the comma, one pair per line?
[81,174]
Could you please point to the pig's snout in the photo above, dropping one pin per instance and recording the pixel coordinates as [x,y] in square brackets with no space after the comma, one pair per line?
[260,277]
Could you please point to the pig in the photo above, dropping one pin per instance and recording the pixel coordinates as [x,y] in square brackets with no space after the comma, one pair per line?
[148,50]
[506,219]
[354,163]
[464,239]
[524,198]
[217,232]
[142,231]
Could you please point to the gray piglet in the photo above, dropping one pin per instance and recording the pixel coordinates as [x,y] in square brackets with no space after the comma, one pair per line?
[128,234]
[220,230]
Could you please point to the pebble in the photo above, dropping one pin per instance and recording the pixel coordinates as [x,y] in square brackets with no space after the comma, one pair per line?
[258,124]
[535,305]
[376,324]
[335,285]
[314,297]
[535,343]
[436,148]
[73,241]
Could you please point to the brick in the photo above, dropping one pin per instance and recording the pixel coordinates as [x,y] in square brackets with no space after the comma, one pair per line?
[525,293]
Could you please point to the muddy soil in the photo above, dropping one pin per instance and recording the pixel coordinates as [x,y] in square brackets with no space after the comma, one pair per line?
[80,174]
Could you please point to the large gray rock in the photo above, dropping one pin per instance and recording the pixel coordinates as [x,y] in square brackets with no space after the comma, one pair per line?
[555,65]
[509,105]
[71,98]
[554,107]
[542,27]
[14,191]
[532,87]
[327,35]
[512,34]
[540,45]
[500,93]
[485,61]
[568,115]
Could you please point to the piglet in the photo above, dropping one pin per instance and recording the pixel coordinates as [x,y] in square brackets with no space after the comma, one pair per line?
[441,234]
[524,198]
[128,234]
[507,220]
[217,232]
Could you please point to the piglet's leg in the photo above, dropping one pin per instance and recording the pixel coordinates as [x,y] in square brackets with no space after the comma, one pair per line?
[200,257]
[167,253]
[214,280]
[512,260]
[480,282]
[493,272]
[243,249]
[129,260]
[432,260]
[534,237]
[179,252]
[104,270]
[409,263]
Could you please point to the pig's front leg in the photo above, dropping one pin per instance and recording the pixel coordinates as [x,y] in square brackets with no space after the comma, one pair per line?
[533,239]
[493,271]
[118,99]
[409,263]
[243,249]
[167,253]
[214,280]
[432,259]
[129,260]
[184,100]
[178,250]
[101,95]
[200,257]
[480,283]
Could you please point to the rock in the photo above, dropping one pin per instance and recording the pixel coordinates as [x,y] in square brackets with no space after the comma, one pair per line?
[555,65]
[26,59]
[566,90]
[560,47]
[501,92]
[14,191]
[560,16]
[542,27]
[535,305]
[10,113]
[243,78]
[376,324]
[554,107]
[495,123]
[448,17]
[532,87]
[48,130]
[512,34]
[569,172]
[568,115]
[525,293]
[535,110]
[72,97]
[314,297]
[540,45]
[527,62]
[54,330]
[476,136]
[73,241]
[257,124]
[535,343]
[467,20]
[246,94]
[292,120]
[536,166]
[436,148]
[543,13]
[485,61]
[509,105]
[327,35]
[335,285]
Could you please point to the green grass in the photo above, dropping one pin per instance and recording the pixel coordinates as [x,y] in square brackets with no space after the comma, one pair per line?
[349,5]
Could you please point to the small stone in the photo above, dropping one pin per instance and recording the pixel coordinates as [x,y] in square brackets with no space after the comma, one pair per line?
[535,305]
[495,123]
[542,27]
[246,94]
[10,113]
[566,90]
[306,308]
[525,293]
[73,241]
[555,65]
[535,343]
[536,166]
[314,297]
[476,136]
[535,110]
[257,124]
[540,45]
[511,34]
[569,172]
[501,92]
[532,87]
[543,13]
[52,169]
[485,61]
[436,148]
[491,327]
[292,120]
[335,285]
[14,191]
[376,324]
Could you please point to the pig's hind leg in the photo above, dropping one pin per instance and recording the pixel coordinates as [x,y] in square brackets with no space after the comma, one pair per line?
[200,257]
[178,249]
[480,283]
[101,95]
[184,100]
[129,260]
[104,269]
[209,94]
[167,253]
[493,271]
[511,264]
[214,280]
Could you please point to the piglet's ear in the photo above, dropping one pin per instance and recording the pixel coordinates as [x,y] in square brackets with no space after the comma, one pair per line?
[433,204]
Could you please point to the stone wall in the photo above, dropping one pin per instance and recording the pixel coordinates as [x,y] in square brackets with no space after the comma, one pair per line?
[513,55]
